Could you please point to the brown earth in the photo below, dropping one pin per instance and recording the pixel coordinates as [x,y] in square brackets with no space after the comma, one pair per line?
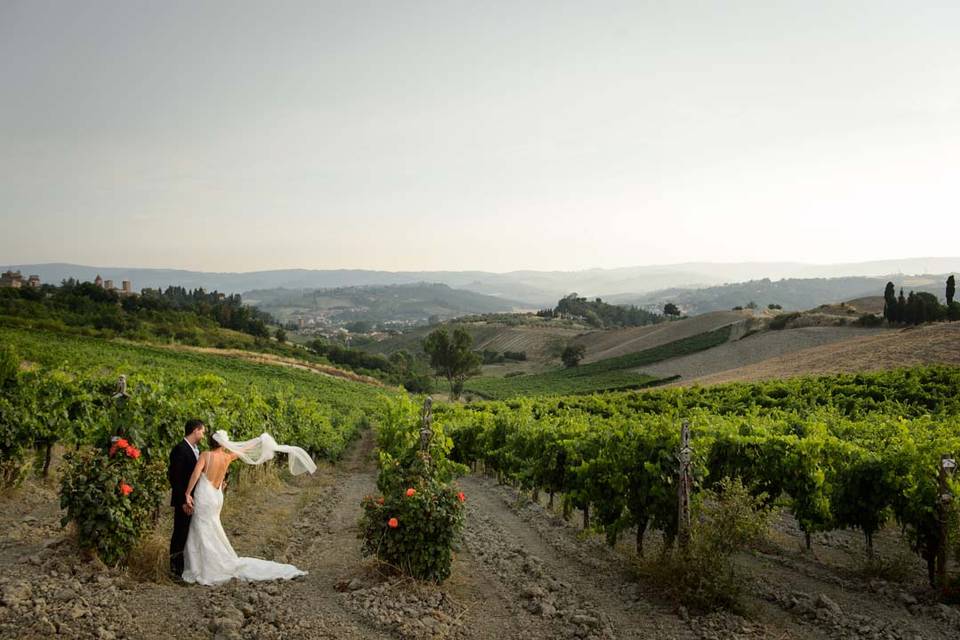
[601,345]
[753,349]
[885,349]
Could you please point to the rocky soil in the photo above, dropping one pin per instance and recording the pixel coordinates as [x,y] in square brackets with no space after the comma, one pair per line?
[522,572]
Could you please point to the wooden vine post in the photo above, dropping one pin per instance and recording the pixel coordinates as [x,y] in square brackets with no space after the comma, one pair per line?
[684,485]
[120,397]
[948,466]
[426,429]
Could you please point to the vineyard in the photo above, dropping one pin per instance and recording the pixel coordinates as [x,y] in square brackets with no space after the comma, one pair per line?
[841,452]
[612,374]
[836,453]
[65,395]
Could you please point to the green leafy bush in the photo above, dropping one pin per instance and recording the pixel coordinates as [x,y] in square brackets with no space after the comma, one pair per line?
[704,576]
[415,524]
[111,497]
[416,529]
[781,321]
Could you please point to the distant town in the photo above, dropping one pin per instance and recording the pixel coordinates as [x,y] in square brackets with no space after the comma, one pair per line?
[15,280]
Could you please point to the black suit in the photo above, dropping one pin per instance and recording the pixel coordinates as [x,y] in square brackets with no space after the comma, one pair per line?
[182,462]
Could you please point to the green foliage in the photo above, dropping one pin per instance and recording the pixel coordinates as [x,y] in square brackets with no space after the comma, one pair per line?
[573,354]
[412,372]
[605,375]
[416,523]
[704,576]
[452,357]
[951,289]
[671,309]
[66,397]
[425,528]
[111,497]
[868,320]
[781,321]
[845,451]
[191,316]
[598,313]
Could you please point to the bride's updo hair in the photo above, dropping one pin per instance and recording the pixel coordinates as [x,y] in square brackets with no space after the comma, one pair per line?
[212,442]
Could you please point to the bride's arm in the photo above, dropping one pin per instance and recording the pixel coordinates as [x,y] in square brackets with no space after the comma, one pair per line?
[197,470]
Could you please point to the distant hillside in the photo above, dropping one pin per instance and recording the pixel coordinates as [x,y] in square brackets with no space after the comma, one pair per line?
[395,304]
[864,351]
[791,294]
[536,288]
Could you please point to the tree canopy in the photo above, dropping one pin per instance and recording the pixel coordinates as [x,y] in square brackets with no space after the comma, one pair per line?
[452,357]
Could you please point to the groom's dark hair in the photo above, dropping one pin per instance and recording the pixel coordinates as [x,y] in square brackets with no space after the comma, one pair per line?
[192,425]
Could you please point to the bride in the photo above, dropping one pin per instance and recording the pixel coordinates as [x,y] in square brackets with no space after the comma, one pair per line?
[209,558]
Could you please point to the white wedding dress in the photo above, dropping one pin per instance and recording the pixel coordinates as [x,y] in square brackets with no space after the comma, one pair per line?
[209,559]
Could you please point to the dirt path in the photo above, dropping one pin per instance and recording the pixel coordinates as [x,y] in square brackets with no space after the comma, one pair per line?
[523,572]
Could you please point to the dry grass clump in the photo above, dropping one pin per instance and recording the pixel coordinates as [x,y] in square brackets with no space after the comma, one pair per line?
[150,559]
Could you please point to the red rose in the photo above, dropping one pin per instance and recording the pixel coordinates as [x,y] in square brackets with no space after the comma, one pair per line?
[410,492]
[125,489]
[121,444]
[133,452]
[461,497]
[393,523]
[113,450]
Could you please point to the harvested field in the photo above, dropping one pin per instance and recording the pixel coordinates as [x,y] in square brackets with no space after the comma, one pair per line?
[536,342]
[928,344]
[751,350]
[601,345]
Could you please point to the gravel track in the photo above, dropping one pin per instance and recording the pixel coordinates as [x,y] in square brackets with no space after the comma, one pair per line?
[523,572]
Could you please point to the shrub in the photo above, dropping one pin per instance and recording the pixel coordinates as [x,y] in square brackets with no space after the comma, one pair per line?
[415,524]
[781,321]
[111,497]
[414,533]
[726,520]
[868,320]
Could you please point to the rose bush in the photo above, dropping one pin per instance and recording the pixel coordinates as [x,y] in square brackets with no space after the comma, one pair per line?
[111,496]
[415,525]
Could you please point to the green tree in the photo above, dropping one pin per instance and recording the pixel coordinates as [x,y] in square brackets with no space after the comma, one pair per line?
[573,354]
[452,357]
[280,335]
[671,309]
[951,289]
[890,303]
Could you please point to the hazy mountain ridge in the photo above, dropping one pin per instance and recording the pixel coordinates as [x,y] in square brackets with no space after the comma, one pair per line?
[793,294]
[402,303]
[534,288]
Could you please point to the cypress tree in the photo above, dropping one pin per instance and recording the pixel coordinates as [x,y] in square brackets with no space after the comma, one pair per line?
[951,289]
[889,303]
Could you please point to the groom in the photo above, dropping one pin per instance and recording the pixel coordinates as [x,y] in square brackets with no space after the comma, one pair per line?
[183,458]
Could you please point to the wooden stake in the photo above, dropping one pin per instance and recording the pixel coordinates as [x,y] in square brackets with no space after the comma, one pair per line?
[684,483]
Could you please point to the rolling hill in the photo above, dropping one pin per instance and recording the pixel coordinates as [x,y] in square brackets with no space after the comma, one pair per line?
[791,294]
[400,304]
[535,288]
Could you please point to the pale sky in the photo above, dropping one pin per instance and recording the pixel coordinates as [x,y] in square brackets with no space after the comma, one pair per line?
[238,136]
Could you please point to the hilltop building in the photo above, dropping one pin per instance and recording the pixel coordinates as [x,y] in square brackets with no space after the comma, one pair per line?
[15,280]
[125,290]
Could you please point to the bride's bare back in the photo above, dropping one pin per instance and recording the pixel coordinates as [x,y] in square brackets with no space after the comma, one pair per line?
[217,463]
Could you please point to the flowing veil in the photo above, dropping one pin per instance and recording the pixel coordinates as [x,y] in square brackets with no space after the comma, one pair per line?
[263,448]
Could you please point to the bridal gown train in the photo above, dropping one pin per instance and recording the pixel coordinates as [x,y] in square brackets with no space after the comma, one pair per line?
[209,558]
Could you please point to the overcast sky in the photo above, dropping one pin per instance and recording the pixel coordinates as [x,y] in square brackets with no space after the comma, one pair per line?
[398,135]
